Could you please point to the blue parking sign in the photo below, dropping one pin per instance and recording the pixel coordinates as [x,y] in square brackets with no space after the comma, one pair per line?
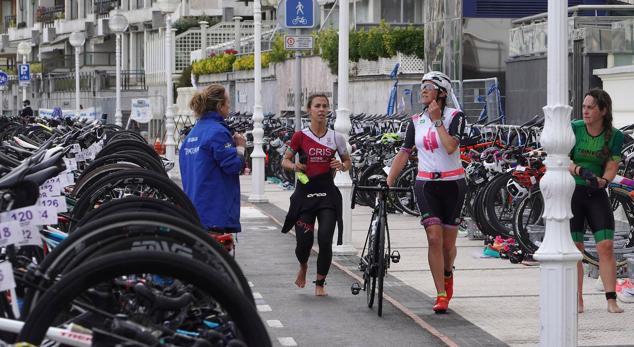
[4,79]
[300,13]
[24,72]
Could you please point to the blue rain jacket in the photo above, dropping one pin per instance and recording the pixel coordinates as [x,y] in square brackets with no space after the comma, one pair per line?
[210,168]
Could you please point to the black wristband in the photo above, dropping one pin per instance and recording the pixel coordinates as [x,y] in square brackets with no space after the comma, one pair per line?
[610,295]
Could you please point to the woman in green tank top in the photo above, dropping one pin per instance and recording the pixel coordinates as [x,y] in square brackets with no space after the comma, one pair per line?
[595,157]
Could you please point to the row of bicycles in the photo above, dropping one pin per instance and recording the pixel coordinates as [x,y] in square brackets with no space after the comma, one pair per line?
[100,248]
[504,164]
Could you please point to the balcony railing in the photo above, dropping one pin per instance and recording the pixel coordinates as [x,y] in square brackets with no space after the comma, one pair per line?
[130,80]
[48,15]
[65,82]
[85,59]
[102,8]
[9,22]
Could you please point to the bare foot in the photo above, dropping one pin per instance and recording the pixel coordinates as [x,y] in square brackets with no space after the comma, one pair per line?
[580,305]
[320,291]
[300,281]
[613,307]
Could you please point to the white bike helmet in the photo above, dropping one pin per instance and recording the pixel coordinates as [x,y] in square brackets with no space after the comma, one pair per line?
[516,190]
[439,79]
[444,83]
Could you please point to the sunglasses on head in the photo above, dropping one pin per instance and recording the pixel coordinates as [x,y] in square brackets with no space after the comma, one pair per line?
[429,86]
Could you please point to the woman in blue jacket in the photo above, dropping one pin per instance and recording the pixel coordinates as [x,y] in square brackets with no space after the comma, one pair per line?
[210,162]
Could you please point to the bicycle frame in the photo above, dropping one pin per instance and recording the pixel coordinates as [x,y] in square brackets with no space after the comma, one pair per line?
[63,336]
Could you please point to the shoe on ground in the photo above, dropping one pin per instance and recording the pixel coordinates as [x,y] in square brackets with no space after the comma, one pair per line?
[449,287]
[622,284]
[598,285]
[626,296]
[442,304]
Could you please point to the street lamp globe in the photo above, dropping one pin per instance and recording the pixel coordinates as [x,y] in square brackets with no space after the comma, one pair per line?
[168,6]
[24,48]
[77,39]
[118,23]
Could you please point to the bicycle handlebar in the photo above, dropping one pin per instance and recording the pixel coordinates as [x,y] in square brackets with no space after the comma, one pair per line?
[382,188]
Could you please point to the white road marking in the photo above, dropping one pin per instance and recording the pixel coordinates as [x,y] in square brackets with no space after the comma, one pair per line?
[250,284]
[287,341]
[257,295]
[264,308]
[251,212]
[274,323]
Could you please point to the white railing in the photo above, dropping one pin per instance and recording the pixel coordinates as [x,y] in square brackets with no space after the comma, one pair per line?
[219,37]
[409,64]
[155,58]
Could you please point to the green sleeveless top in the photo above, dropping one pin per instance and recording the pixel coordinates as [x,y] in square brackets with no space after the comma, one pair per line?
[588,150]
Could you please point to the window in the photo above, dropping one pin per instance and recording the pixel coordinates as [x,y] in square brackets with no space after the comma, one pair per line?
[398,11]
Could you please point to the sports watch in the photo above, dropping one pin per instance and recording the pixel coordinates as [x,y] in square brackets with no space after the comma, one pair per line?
[438,123]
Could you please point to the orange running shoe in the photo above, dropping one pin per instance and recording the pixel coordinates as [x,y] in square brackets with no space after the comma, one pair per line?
[442,304]
[449,287]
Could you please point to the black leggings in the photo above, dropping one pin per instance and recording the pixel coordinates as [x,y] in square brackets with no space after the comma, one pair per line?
[304,227]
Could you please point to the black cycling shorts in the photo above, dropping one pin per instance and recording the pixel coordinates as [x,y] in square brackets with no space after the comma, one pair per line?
[440,202]
[591,205]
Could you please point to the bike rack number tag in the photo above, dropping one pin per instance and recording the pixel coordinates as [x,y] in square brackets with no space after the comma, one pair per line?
[57,202]
[48,216]
[29,236]
[53,186]
[7,281]
[71,163]
[9,233]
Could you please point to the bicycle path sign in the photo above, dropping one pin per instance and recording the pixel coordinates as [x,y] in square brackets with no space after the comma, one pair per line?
[299,14]
[4,80]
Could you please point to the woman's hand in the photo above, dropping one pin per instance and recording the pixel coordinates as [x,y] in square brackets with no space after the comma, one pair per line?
[336,164]
[299,167]
[434,111]
[239,140]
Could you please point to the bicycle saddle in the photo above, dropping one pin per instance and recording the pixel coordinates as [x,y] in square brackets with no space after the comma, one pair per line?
[376,180]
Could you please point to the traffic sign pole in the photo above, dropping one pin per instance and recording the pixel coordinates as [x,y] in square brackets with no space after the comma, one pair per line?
[298,88]
[24,87]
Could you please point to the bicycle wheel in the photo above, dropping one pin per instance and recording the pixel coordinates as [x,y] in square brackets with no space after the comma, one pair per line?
[406,201]
[499,206]
[623,238]
[133,231]
[78,283]
[138,182]
[527,221]
[381,264]
[370,269]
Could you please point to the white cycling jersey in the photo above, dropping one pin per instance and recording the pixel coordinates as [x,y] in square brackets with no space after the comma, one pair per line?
[432,155]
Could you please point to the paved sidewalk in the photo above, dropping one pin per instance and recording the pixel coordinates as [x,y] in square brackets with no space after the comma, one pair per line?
[499,297]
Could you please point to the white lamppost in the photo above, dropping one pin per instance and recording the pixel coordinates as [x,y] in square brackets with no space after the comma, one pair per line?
[168,7]
[257,157]
[77,40]
[557,254]
[118,23]
[343,125]
[24,49]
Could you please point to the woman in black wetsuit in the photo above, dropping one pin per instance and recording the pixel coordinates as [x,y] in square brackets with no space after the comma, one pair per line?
[318,198]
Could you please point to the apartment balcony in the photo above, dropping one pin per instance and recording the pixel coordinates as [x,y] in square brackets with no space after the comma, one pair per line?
[48,15]
[102,8]
[16,34]
[70,26]
[140,15]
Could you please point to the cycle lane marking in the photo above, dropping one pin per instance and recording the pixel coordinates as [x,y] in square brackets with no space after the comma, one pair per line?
[418,320]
